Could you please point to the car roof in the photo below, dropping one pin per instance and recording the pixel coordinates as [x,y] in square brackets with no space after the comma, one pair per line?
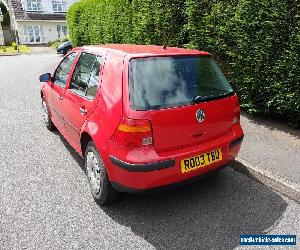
[132,50]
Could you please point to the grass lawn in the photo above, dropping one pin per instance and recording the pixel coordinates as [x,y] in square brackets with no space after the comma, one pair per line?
[11,50]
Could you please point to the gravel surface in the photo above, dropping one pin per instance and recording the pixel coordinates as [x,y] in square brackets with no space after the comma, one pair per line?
[45,201]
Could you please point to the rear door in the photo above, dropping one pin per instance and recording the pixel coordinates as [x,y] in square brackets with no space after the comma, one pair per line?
[187,99]
[58,86]
[176,128]
[80,96]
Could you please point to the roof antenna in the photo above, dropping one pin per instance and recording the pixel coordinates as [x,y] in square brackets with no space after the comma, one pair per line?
[165,46]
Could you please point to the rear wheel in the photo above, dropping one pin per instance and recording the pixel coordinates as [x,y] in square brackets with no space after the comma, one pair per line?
[101,188]
[47,119]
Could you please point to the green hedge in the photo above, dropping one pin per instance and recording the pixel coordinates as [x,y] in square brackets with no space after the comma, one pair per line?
[256,42]
[125,21]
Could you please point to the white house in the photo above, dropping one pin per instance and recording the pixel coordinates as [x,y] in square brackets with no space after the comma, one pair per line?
[39,21]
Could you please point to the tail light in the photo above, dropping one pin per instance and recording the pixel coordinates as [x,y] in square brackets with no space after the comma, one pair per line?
[236,112]
[133,133]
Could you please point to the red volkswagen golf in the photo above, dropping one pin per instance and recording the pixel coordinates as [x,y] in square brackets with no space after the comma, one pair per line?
[143,117]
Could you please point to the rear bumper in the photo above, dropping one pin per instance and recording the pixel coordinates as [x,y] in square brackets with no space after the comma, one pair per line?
[121,188]
[143,170]
[147,167]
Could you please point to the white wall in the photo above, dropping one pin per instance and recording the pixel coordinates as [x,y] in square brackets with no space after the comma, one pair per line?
[49,29]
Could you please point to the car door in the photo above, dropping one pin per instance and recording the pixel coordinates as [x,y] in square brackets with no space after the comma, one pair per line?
[58,85]
[80,96]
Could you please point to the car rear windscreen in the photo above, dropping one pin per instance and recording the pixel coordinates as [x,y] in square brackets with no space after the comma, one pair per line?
[164,82]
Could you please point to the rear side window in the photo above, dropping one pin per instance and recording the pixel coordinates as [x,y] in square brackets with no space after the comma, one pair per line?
[163,82]
[85,79]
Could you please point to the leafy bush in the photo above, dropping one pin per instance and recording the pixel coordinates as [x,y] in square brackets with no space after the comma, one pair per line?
[24,48]
[14,45]
[256,42]
[2,49]
[57,42]
[12,50]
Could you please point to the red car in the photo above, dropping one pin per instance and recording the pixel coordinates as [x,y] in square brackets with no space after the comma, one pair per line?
[143,117]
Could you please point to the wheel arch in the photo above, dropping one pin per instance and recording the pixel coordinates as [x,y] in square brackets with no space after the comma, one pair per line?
[84,140]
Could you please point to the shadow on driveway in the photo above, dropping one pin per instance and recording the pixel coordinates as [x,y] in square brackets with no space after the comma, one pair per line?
[207,214]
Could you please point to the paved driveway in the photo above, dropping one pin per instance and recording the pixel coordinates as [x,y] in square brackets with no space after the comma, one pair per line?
[42,50]
[45,201]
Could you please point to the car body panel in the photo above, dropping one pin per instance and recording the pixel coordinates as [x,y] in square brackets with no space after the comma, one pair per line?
[56,100]
[101,125]
[77,108]
[55,103]
[74,114]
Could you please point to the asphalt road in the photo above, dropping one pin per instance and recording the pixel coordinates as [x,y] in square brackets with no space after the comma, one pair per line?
[45,201]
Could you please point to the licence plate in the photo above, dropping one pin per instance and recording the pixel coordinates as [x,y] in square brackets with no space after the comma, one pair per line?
[199,161]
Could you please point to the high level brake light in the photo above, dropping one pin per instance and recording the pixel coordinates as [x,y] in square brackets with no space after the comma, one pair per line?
[133,133]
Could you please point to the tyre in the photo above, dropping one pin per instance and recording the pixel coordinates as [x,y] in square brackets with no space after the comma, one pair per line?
[101,188]
[47,119]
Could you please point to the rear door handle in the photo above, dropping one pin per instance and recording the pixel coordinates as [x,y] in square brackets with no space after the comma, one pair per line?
[83,111]
[60,98]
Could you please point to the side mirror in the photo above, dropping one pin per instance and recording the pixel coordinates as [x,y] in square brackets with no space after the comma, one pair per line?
[45,77]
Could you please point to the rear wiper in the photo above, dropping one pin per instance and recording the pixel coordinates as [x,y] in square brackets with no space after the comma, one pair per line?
[198,98]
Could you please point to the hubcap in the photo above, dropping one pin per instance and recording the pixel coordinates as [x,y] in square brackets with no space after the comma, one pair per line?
[45,113]
[93,172]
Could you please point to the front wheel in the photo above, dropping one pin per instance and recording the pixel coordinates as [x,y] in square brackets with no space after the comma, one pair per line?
[101,188]
[47,119]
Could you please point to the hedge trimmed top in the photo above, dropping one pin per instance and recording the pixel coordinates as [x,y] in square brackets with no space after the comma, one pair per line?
[256,42]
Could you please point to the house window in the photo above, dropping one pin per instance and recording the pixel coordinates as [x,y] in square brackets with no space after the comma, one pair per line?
[62,30]
[34,33]
[34,5]
[59,5]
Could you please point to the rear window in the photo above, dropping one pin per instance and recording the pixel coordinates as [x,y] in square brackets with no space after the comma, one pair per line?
[163,82]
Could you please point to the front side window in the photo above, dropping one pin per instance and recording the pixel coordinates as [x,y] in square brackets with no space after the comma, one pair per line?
[63,70]
[59,5]
[85,79]
[34,5]
[164,82]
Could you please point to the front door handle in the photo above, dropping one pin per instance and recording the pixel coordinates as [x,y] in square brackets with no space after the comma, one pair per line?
[60,97]
[83,111]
